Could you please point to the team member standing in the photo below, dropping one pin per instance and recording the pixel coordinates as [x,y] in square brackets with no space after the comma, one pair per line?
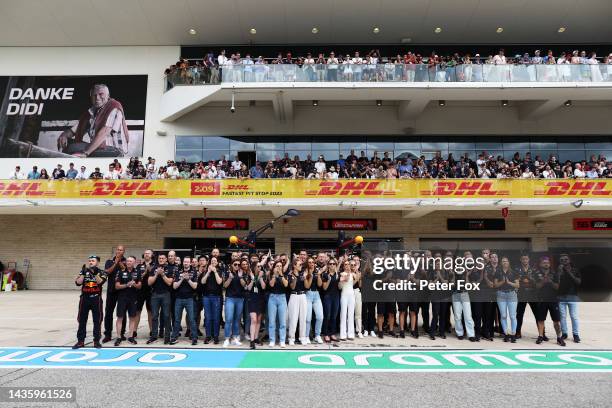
[331,300]
[475,274]
[161,285]
[234,282]
[127,284]
[462,310]
[438,303]
[184,285]
[488,293]
[110,267]
[277,304]
[90,279]
[347,302]
[507,283]
[299,283]
[526,293]
[356,270]
[146,269]
[569,281]
[313,300]
[547,283]
[212,281]
[256,301]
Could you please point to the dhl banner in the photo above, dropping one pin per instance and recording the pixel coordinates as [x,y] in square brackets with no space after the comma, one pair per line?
[303,189]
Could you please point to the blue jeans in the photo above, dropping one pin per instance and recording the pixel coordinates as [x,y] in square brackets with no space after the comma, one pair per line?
[314,301]
[277,306]
[179,305]
[331,307]
[569,302]
[233,312]
[212,315]
[160,301]
[507,303]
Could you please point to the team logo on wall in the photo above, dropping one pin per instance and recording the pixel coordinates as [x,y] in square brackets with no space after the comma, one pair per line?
[72,116]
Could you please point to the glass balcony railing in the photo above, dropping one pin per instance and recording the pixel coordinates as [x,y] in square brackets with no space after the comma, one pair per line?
[389,73]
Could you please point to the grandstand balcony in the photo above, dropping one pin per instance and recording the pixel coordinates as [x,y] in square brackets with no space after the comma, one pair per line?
[538,88]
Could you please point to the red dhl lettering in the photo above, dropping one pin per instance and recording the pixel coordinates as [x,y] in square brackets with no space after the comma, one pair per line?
[583,188]
[468,188]
[352,188]
[23,188]
[126,188]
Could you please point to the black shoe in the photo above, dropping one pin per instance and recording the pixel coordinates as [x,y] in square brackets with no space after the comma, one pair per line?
[540,340]
[576,338]
[97,344]
[560,342]
[489,338]
[258,341]
[402,334]
[118,341]
[207,340]
[518,335]
[472,339]
[194,342]
[512,338]
[78,345]
[173,341]
[380,335]
[442,336]
[252,345]
[415,334]
[106,339]
[123,338]
[459,337]
[431,336]
[132,340]
[166,341]
[545,338]
[506,338]
[151,340]
[564,336]
[216,340]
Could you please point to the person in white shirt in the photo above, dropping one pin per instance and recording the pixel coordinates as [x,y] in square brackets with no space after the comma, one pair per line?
[332,174]
[483,171]
[332,67]
[548,173]
[112,173]
[17,174]
[172,171]
[236,164]
[578,171]
[357,69]
[222,59]
[320,165]
[248,69]
[82,174]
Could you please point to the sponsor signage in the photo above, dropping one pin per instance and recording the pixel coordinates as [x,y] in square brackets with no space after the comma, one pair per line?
[361,224]
[302,360]
[593,224]
[305,189]
[479,224]
[59,116]
[219,223]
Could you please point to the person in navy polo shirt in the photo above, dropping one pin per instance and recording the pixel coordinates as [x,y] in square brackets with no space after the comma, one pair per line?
[128,282]
[90,279]
[184,285]
[161,285]
[110,267]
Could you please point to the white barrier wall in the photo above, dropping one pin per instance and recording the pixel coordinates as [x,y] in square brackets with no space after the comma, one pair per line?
[150,61]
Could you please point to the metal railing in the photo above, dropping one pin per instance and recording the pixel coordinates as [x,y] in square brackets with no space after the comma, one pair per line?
[389,72]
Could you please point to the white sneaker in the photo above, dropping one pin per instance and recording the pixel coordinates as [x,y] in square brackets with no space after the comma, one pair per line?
[365,333]
[271,345]
[318,340]
[226,343]
[291,342]
[236,342]
[360,335]
[305,341]
[372,333]
[283,345]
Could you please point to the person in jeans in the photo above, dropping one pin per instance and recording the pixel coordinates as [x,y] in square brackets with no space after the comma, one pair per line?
[161,283]
[313,300]
[234,282]
[547,284]
[277,304]
[569,281]
[347,302]
[507,283]
[184,285]
[212,281]
[331,300]
[462,309]
[299,283]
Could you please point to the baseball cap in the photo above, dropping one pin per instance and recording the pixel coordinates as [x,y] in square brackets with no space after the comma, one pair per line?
[94,257]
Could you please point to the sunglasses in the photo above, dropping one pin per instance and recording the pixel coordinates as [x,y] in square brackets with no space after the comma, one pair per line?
[235,264]
[333,263]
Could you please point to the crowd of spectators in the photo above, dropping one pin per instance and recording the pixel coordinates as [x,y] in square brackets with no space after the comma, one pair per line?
[371,66]
[351,167]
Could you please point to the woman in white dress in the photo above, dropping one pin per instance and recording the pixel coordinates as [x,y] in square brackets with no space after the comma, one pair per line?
[347,302]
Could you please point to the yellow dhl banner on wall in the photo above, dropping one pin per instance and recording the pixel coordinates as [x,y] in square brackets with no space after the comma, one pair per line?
[306,189]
